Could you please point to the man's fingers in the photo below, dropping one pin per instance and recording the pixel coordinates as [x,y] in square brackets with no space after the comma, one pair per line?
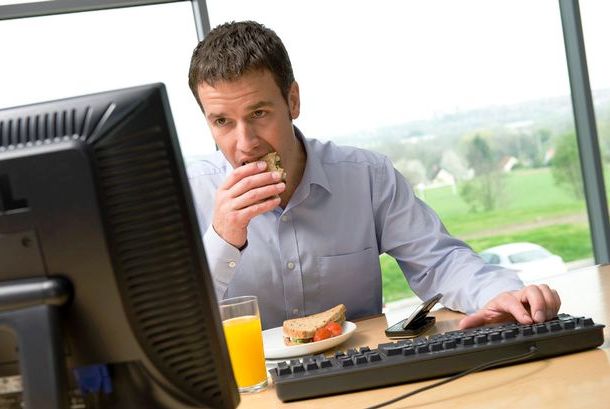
[549,300]
[241,172]
[248,213]
[532,294]
[510,303]
[255,181]
[257,195]
[474,320]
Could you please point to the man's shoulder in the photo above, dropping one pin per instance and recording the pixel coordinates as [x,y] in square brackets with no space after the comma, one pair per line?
[207,165]
[331,153]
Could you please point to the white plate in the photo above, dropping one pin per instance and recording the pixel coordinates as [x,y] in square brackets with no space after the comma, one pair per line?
[273,339]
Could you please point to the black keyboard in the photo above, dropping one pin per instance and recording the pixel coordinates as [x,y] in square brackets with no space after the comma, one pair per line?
[429,357]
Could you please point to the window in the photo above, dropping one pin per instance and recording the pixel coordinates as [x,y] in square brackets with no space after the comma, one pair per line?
[469,99]
[59,56]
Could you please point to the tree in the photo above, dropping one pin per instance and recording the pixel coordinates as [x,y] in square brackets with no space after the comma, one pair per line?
[565,165]
[486,189]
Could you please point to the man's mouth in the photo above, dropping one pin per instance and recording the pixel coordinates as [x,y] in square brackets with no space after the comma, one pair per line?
[253,160]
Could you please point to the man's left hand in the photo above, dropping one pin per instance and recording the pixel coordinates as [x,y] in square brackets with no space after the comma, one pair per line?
[534,303]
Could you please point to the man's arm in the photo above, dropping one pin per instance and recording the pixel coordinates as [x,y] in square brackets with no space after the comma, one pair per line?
[433,261]
[223,257]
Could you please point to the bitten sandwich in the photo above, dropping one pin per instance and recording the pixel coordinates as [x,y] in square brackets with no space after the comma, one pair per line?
[314,327]
[274,163]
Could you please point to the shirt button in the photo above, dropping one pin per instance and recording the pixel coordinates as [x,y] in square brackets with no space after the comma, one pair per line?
[290,265]
[232,264]
[295,311]
[284,218]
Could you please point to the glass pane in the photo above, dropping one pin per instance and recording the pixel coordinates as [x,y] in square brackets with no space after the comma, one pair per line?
[469,99]
[60,56]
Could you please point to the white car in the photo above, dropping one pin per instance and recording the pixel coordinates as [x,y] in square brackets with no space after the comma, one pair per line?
[533,262]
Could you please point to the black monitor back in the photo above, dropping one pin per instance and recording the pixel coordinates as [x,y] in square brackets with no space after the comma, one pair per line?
[93,189]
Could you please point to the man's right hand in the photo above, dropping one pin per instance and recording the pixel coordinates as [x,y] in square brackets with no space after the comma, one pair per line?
[247,192]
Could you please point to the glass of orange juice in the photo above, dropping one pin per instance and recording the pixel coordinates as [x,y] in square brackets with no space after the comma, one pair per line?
[242,327]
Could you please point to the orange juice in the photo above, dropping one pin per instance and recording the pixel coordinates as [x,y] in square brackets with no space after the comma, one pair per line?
[245,343]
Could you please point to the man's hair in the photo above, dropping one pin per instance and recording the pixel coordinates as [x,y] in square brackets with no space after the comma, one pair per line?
[233,49]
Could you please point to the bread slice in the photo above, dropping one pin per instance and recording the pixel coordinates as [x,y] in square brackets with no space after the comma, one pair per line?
[305,328]
[274,163]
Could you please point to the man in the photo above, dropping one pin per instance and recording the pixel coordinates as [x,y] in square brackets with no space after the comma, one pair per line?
[314,241]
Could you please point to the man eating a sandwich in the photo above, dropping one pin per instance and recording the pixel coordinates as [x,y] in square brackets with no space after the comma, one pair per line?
[300,223]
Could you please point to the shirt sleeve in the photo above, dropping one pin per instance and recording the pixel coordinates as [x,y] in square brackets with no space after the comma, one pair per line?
[223,259]
[432,260]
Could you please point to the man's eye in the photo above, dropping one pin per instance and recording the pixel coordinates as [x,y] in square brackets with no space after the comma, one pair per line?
[220,121]
[258,114]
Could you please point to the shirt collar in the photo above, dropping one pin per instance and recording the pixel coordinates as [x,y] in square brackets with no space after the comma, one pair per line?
[314,173]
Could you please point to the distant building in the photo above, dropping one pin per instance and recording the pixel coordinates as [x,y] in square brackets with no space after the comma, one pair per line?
[507,163]
[443,178]
[548,156]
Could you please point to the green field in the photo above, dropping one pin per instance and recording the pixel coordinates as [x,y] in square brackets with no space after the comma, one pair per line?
[531,196]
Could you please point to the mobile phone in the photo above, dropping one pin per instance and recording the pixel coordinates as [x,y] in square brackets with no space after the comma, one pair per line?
[417,323]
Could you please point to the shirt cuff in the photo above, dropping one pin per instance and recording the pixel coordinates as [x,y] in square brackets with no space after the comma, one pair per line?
[506,280]
[223,259]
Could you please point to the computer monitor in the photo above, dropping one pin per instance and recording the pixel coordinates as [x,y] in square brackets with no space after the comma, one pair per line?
[101,260]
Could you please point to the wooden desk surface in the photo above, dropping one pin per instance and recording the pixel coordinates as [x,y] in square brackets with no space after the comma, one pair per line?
[580,380]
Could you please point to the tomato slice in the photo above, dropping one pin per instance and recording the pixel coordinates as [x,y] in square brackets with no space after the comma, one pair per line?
[321,333]
[334,328]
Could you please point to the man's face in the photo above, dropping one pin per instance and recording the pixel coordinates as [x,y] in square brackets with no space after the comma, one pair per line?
[249,117]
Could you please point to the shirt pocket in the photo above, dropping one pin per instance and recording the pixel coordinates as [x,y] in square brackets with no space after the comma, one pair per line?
[353,279]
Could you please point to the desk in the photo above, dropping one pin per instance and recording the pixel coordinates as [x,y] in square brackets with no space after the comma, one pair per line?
[580,380]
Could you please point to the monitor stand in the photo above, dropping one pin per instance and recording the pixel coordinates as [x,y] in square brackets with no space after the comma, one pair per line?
[29,308]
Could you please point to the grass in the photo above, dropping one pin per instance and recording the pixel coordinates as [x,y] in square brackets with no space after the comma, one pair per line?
[530,196]
[395,286]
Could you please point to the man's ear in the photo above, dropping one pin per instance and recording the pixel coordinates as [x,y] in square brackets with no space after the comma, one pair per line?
[294,101]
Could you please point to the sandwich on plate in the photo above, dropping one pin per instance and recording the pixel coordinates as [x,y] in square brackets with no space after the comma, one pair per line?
[316,327]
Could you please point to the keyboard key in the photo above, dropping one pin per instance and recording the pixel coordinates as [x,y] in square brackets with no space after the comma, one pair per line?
[422,348]
[374,357]
[468,341]
[481,339]
[408,351]
[508,334]
[298,368]
[450,344]
[345,362]
[436,346]
[527,331]
[283,369]
[360,359]
[311,366]
[569,325]
[495,336]
[326,364]
[364,349]
[394,351]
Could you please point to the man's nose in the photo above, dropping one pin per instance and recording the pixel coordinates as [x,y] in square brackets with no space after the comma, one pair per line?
[246,137]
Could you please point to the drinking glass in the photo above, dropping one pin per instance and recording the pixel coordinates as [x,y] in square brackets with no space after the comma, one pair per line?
[243,332]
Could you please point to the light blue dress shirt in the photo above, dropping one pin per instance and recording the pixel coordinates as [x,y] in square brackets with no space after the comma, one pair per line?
[323,248]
